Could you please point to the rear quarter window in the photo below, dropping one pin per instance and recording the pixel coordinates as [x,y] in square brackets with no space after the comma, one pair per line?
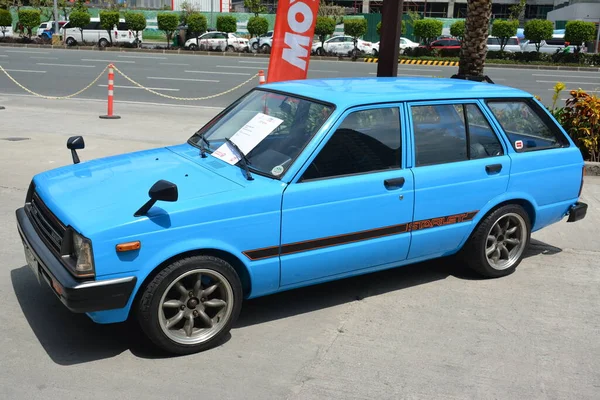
[526,125]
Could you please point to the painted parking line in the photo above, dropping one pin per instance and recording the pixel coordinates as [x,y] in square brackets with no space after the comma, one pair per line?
[181,79]
[25,70]
[137,87]
[43,58]
[142,57]
[108,61]
[238,66]
[569,82]
[219,73]
[67,65]
[183,65]
[594,75]
[3,55]
[26,51]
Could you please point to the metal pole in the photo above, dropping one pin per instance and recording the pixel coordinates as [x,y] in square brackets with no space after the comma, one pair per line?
[212,22]
[597,49]
[389,46]
[55,19]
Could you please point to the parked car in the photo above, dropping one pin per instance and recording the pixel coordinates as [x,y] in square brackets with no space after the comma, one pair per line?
[404,44]
[6,31]
[513,44]
[341,45]
[46,29]
[443,44]
[294,184]
[551,46]
[264,42]
[217,41]
[93,33]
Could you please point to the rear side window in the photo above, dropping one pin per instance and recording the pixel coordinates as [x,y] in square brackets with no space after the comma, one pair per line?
[526,126]
[448,133]
[122,26]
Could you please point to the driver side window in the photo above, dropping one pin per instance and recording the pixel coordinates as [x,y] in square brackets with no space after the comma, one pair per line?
[366,141]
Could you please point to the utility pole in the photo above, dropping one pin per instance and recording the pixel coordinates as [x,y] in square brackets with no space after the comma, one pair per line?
[55,21]
[389,46]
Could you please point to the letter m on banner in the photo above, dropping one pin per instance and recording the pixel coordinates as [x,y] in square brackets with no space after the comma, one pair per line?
[292,39]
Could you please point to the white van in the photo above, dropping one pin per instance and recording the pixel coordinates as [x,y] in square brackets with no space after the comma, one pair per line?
[93,33]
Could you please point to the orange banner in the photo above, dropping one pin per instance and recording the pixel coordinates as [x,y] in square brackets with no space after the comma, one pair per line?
[292,39]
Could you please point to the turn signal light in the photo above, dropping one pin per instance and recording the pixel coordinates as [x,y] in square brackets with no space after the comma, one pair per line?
[129,246]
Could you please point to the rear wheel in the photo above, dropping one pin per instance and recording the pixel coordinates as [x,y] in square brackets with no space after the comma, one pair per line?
[190,305]
[230,49]
[320,51]
[255,46]
[498,244]
[265,48]
[193,47]
[70,41]
[102,43]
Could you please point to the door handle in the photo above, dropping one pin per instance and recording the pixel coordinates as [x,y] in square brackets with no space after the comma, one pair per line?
[395,183]
[493,168]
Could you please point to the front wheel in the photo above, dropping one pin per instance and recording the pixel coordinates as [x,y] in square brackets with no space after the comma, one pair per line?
[70,41]
[193,47]
[265,48]
[498,244]
[190,305]
[102,43]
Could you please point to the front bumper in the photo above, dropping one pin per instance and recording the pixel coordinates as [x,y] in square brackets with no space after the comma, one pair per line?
[577,212]
[79,296]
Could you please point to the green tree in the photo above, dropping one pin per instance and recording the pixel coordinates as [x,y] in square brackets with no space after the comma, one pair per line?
[258,26]
[428,29]
[44,7]
[108,20]
[255,7]
[63,6]
[355,27]
[517,11]
[5,21]
[79,19]
[197,24]
[473,49]
[135,21]
[167,22]
[332,11]
[504,30]
[80,6]
[403,28]
[323,27]
[30,19]
[537,30]
[187,8]
[457,29]
[579,32]
[227,24]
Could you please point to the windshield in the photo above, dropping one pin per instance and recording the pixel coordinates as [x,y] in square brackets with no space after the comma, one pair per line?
[270,128]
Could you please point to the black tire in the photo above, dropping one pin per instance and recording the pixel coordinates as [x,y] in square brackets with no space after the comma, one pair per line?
[70,41]
[474,251]
[255,46]
[265,48]
[230,49]
[320,51]
[102,43]
[148,307]
[193,47]
[375,53]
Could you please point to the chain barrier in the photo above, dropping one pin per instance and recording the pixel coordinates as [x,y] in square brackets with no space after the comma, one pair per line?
[184,98]
[130,80]
[54,97]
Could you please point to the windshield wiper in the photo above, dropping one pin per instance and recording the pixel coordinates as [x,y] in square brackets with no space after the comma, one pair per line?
[203,140]
[243,159]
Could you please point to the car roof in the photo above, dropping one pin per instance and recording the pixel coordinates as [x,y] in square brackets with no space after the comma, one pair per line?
[348,92]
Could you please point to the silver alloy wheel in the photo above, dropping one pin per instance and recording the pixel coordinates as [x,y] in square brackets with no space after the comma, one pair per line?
[506,241]
[195,306]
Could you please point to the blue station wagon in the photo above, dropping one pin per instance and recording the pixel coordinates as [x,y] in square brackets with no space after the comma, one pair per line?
[294,184]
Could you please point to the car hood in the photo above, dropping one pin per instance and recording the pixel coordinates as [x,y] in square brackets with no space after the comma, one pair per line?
[99,194]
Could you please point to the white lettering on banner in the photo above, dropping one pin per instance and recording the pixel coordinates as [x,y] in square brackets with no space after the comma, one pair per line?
[295,52]
[297,44]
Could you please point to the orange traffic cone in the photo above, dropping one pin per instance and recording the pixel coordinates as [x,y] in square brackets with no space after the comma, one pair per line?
[261,77]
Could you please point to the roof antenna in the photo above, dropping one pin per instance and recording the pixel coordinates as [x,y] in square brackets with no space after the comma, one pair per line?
[475,78]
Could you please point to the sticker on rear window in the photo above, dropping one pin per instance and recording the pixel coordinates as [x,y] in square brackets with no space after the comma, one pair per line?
[519,144]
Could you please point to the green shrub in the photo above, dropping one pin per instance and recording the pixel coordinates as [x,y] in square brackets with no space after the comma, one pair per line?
[5,21]
[578,32]
[136,22]
[504,30]
[260,25]
[108,20]
[79,19]
[30,19]
[457,29]
[537,30]
[581,119]
[227,24]
[323,27]
[167,22]
[197,24]
[428,29]
[356,28]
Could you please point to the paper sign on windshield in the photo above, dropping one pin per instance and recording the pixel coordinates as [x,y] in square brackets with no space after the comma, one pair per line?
[248,137]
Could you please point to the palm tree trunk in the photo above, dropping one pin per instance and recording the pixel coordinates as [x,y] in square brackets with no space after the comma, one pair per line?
[474,48]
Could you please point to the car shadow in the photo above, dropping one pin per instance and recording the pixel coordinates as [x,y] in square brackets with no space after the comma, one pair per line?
[71,339]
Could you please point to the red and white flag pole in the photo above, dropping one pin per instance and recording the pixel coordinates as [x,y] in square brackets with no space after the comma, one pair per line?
[111,82]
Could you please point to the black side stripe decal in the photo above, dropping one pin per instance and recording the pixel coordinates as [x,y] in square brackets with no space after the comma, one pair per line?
[313,244]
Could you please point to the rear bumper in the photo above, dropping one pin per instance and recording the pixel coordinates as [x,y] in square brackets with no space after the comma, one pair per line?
[77,295]
[577,212]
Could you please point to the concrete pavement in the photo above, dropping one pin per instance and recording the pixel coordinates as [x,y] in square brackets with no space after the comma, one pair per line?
[427,331]
[59,72]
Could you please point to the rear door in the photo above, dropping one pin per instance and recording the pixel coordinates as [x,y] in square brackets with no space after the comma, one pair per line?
[459,165]
[352,205]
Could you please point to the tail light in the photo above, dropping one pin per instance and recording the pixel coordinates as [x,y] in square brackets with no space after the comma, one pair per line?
[115,34]
[582,177]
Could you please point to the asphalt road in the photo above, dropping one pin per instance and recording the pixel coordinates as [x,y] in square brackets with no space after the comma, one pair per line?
[62,72]
[428,331]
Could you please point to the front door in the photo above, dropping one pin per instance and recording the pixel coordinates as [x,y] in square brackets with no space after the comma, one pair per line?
[352,205]
[459,165]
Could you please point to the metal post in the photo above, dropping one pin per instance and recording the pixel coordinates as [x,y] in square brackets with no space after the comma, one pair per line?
[389,46]
[55,19]
[597,49]
[212,22]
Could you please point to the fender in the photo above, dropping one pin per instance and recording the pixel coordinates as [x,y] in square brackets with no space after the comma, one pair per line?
[504,197]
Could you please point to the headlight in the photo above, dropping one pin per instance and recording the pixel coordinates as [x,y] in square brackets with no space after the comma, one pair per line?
[79,256]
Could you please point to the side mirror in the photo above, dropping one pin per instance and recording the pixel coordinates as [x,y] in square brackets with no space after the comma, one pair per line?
[162,190]
[75,143]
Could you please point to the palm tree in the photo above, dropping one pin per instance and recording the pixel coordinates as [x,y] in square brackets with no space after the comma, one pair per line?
[474,49]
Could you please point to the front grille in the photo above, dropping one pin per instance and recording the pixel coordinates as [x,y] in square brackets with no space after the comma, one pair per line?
[49,227]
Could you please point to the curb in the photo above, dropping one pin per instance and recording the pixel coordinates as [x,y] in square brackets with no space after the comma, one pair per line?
[592,168]
[439,63]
